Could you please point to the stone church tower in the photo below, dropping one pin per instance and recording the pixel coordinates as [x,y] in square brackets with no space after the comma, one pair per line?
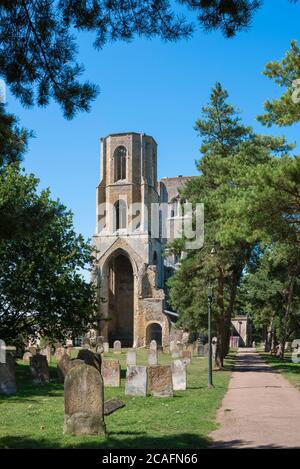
[129,267]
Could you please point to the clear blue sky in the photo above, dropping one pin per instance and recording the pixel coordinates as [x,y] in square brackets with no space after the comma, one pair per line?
[157,88]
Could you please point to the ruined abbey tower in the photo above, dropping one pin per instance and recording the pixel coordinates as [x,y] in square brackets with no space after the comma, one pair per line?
[130,269]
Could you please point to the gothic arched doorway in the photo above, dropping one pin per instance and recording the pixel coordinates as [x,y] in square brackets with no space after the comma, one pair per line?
[154,332]
[120,300]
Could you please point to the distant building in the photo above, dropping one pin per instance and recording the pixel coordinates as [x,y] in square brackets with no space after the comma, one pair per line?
[130,239]
[241,331]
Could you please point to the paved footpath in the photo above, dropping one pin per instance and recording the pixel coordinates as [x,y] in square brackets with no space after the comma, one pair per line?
[260,410]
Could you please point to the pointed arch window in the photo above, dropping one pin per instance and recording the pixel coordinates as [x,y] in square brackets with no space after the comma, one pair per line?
[120,215]
[120,163]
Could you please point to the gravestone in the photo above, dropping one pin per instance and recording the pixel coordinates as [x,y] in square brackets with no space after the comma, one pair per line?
[84,402]
[90,358]
[26,357]
[186,356]
[214,342]
[32,350]
[179,375]
[185,337]
[105,347]
[8,376]
[112,405]
[47,353]
[253,345]
[99,349]
[39,369]
[152,357]
[160,381]
[59,352]
[117,346]
[86,344]
[110,371]
[131,357]
[65,364]
[136,381]
[153,345]
[100,340]
[175,351]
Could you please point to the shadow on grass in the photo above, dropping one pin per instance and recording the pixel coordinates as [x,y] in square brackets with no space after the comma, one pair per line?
[126,441]
[285,364]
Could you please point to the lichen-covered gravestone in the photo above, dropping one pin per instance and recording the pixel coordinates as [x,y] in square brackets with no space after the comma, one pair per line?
[110,371]
[8,376]
[64,366]
[84,402]
[160,381]
[152,357]
[90,358]
[39,369]
[131,357]
[179,375]
[117,346]
[47,353]
[153,345]
[105,347]
[136,381]
[26,357]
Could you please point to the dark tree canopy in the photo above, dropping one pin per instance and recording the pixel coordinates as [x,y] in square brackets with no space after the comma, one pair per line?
[38,46]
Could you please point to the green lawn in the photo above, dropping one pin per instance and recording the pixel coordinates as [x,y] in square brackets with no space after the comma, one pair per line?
[290,370]
[34,417]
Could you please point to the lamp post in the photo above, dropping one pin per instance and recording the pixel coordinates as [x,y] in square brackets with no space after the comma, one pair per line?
[209,302]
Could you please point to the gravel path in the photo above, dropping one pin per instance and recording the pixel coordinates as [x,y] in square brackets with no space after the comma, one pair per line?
[260,410]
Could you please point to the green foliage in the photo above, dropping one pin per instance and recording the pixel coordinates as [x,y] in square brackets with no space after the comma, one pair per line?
[284,110]
[13,140]
[41,288]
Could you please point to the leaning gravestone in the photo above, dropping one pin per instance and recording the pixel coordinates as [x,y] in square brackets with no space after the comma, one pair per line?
[84,402]
[160,381]
[152,357]
[110,371]
[90,358]
[136,381]
[8,376]
[47,353]
[117,346]
[39,369]
[105,347]
[179,375]
[64,366]
[112,405]
[153,345]
[131,357]
[26,357]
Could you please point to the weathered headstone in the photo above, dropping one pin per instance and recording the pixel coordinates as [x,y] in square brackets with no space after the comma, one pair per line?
[99,349]
[175,351]
[39,369]
[253,345]
[153,345]
[59,352]
[84,402]
[214,342]
[47,353]
[105,347]
[131,357]
[90,358]
[136,381]
[65,364]
[186,355]
[112,405]
[179,375]
[8,376]
[160,381]
[152,357]
[110,371]
[185,337]
[100,340]
[26,357]
[117,346]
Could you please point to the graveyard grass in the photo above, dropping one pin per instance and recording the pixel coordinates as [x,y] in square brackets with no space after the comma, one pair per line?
[34,417]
